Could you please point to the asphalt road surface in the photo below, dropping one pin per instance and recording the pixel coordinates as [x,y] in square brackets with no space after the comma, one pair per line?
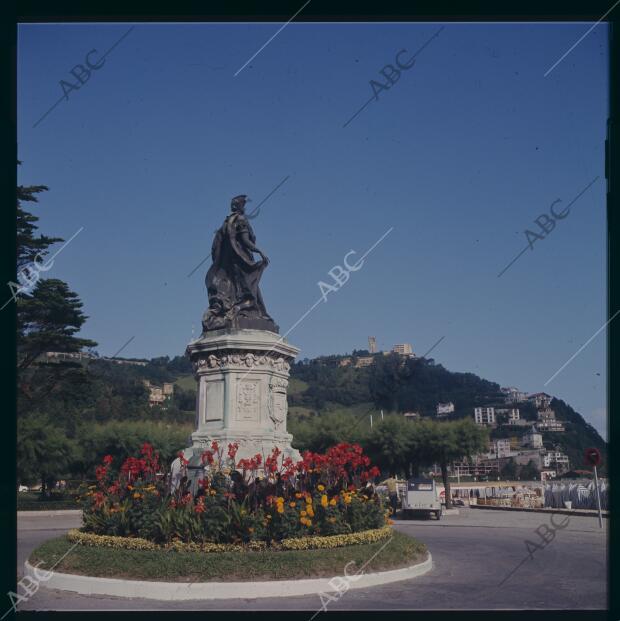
[480,562]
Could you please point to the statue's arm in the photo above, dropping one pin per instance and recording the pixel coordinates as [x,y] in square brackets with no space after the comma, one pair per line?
[247,239]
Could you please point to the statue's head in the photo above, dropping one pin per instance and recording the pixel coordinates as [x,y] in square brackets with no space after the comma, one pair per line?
[237,204]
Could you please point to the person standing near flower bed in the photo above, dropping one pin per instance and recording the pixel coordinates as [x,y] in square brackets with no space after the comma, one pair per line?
[392,487]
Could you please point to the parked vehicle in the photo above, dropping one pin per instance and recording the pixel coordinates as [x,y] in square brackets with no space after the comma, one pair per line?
[421,497]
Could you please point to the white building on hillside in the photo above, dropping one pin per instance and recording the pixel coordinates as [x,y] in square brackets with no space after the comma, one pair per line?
[540,399]
[484,416]
[548,422]
[445,408]
[501,447]
[557,460]
[513,413]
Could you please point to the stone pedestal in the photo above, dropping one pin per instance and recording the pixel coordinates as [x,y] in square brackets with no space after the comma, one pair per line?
[242,378]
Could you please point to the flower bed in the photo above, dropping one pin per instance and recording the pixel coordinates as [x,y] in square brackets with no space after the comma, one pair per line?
[300,543]
[253,502]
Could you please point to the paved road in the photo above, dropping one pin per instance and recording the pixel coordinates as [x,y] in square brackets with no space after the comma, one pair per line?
[473,552]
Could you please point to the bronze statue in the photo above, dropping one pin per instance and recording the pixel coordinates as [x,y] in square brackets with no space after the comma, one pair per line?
[235,300]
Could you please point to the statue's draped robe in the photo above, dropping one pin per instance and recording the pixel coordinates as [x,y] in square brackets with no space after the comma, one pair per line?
[232,280]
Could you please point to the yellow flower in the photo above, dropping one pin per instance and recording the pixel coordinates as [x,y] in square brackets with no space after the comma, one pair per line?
[212,492]
[292,504]
[280,499]
[347,500]
[332,502]
[320,487]
[304,513]
[324,500]
[310,510]
[298,495]
[136,495]
[280,509]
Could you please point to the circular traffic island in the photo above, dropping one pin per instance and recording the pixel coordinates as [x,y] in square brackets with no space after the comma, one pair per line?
[131,567]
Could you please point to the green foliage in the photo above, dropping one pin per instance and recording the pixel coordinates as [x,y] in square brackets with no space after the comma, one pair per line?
[29,245]
[509,471]
[318,433]
[122,439]
[44,453]
[391,443]
[529,472]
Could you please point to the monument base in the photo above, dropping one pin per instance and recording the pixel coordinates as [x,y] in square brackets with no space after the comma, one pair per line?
[242,379]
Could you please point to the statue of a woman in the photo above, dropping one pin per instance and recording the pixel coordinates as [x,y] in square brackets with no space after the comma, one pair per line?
[235,300]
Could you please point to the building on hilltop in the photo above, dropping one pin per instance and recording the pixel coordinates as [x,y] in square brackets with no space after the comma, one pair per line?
[57,356]
[513,395]
[138,363]
[364,361]
[372,344]
[403,349]
[411,415]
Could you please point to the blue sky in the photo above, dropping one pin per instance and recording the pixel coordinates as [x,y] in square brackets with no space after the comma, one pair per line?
[457,159]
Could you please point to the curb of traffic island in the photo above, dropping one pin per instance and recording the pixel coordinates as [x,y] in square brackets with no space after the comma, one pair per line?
[579,512]
[175,591]
[48,512]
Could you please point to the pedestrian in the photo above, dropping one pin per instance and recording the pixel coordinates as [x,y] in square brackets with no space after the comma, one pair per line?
[392,487]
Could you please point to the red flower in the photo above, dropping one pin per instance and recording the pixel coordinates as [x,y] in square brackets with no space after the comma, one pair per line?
[232,450]
[207,457]
[108,459]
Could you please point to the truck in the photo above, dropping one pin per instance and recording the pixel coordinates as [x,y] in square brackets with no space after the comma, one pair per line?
[421,497]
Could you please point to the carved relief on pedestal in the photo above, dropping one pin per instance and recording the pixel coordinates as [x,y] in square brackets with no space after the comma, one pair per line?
[277,402]
[242,359]
[248,400]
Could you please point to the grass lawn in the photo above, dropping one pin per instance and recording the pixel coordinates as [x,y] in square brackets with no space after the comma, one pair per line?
[33,501]
[172,566]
